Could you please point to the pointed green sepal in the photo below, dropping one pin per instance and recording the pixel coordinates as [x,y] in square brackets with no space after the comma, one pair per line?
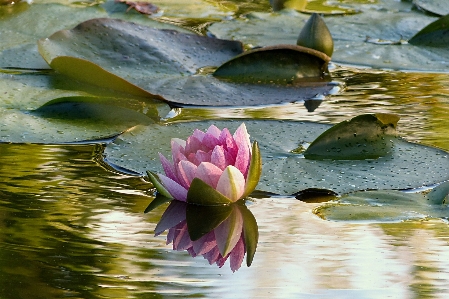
[156,202]
[200,193]
[154,179]
[203,219]
[255,170]
[250,233]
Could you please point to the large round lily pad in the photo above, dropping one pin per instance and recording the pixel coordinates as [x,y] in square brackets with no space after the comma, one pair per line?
[372,38]
[164,63]
[33,112]
[284,171]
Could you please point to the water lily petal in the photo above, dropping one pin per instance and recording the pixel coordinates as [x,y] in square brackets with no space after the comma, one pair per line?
[231,183]
[176,190]
[209,173]
[214,131]
[173,215]
[169,169]
[227,140]
[204,244]
[218,157]
[243,157]
[182,239]
[178,150]
[186,173]
[236,255]
[202,156]
[193,145]
[212,256]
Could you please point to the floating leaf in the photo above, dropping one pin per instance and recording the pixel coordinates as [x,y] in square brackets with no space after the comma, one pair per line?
[438,7]
[282,64]
[366,136]
[374,38]
[320,6]
[284,171]
[315,35]
[92,109]
[164,63]
[32,111]
[435,34]
[383,206]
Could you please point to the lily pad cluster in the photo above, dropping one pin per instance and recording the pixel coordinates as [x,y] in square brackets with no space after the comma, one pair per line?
[374,37]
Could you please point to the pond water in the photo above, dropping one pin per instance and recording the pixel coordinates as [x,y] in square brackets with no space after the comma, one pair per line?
[71,228]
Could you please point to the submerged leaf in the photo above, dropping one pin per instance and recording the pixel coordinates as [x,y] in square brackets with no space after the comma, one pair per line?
[438,7]
[435,34]
[382,206]
[366,136]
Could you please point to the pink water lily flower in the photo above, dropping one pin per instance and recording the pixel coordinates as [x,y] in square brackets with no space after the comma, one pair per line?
[210,167]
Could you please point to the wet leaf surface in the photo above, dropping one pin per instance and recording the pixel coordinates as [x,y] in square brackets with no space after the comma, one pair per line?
[285,172]
[165,63]
[372,38]
[387,206]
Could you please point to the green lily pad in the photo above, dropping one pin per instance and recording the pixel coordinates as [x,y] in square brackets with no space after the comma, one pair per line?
[32,111]
[363,137]
[438,7]
[436,34]
[372,38]
[164,63]
[317,6]
[284,171]
[282,64]
[18,47]
[387,206]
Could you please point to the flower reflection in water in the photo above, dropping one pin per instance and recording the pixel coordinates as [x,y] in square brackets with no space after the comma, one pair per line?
[215,232]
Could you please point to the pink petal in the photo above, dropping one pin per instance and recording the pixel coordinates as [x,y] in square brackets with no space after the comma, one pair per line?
[170,235]
[218,157]
[169,169]
[173,215]
[202,156]
[198,134]
[209,173]
[243,157]
[236,255]
[182,240]
[177,147]
[210,141]
[231,183]
[221,260]
[176,190]
[212,256]
[214,131]
[193,145]
[228,141]
[205,244]
[186,173]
